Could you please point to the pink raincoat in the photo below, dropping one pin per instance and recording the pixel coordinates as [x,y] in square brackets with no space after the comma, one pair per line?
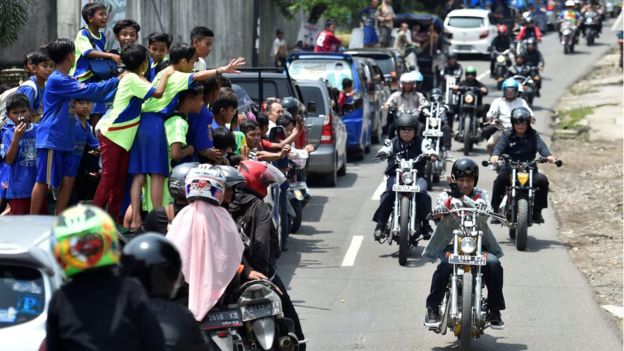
[211,251]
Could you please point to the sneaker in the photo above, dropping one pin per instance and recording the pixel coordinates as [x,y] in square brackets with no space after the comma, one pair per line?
[537,217]
[426,231]
[432,318]
[537,93]
[495,318]
[379,231]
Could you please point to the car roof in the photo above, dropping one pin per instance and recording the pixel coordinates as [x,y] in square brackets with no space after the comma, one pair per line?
[312,82]
[322,56]
[24,240]
[265,75]
[372,51]
[469,13]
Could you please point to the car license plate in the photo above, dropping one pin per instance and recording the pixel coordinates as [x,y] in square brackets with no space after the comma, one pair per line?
[222,319]
[406,188]
[466,259]
[464,47]
[251,312]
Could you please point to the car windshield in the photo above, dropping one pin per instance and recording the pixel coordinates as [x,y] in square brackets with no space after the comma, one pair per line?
[465,22]
[332,70]
[385,63]
[314,94]
[22,295]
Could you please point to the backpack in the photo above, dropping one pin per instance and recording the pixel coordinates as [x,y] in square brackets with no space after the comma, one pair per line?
[5,96]
[104,69]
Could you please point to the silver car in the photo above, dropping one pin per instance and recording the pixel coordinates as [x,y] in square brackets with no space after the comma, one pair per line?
[28,277]
[326,131]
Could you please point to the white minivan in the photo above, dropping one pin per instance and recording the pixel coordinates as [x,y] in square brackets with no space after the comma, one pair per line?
[472,31]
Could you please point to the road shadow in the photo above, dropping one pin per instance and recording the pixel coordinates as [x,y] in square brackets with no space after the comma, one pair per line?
[580,52]
[313,211]
[346,181]
[484,343]
[473,57]
[414,256]
[291,260]
[533,244]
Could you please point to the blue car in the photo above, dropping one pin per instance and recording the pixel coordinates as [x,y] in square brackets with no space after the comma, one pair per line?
[333,68]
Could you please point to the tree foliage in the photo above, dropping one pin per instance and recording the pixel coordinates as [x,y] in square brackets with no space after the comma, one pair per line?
[13,15]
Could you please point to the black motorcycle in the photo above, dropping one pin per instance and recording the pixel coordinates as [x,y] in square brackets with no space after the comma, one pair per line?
[517,205]
[502,61]
[590,26]
[468,129]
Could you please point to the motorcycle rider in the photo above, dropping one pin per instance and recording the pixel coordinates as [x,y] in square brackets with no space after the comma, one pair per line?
[437,96]
[595,7]
[254,218]
[534,58]
[97,309]
[529,30]
[499,114]
[452,68]
[521,143]
[408,99]
[570,14]
[520,67]
[156,263]
[471,81]
[409,142]
[500,43]
[464,193]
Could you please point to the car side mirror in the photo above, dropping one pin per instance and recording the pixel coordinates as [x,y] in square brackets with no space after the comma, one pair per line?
[311,107]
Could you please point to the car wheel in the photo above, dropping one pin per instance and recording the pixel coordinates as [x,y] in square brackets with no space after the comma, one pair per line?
[331,179]
[343,169]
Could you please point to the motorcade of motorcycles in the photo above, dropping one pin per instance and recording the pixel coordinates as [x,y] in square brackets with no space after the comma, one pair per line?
[404,228]
[464,309]
[518,203]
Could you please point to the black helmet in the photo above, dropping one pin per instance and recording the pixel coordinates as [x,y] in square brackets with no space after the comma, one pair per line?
[292,105]
[437,95]
[465,167]
[177,178]
[153,260]
[531,41]
[520,114]
[407,120]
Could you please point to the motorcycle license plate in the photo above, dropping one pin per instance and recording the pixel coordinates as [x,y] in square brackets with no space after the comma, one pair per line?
[466,259]
[251,312]
[222,319]
[406,188]
[432,133]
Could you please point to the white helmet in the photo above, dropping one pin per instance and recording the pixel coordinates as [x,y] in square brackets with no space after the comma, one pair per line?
[408,77]
[570,3]
[205,182]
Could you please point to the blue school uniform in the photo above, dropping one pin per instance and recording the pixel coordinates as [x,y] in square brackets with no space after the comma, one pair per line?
[85,43]
[23,171]
[200,131]
[34,95]
[148,154]
[82,136]
[4,168]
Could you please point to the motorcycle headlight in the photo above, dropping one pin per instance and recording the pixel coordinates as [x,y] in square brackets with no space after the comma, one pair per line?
[468,99]
[468,245]
[433,122]
[523,178]
[589,21]
[407,178]
[500,59]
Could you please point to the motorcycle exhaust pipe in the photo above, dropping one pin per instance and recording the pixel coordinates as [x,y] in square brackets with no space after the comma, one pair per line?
[285,344]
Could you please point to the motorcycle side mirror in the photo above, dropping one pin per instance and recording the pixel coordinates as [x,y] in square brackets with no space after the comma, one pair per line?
[485,163]
[558,163]
[388,142]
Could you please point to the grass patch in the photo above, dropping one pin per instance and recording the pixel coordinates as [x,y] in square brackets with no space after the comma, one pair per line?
[570,119]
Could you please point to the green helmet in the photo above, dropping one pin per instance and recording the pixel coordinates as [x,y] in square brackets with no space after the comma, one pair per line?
[84,237]
[471,70]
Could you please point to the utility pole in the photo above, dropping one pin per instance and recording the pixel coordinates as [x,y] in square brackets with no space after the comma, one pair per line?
[256,35]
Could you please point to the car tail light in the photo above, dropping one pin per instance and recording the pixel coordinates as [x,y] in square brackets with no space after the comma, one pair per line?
[327,134]
[484,34]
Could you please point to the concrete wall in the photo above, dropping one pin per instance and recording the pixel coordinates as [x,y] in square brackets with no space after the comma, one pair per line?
[39,29]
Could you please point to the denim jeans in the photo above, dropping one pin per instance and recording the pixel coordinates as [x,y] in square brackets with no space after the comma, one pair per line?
[492,276]
[386,205]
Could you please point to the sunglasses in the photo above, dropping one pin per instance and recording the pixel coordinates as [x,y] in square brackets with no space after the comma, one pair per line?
[521,122]
[407,129]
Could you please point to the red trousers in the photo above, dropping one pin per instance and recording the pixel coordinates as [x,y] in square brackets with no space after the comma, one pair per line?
[22,207]
[110,190]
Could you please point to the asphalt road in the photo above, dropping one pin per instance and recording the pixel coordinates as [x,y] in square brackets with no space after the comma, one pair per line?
[351,292]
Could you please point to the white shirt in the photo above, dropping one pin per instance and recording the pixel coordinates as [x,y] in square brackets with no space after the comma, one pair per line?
[200,65]
[277,43]
[501,109]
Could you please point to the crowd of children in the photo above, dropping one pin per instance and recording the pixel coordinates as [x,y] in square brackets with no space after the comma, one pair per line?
[106,127]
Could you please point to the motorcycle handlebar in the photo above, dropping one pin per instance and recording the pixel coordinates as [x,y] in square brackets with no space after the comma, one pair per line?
[507,159]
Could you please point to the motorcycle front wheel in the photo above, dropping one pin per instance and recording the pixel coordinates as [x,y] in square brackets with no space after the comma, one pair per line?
[467,136]
[465,334]
[295,222]
[522,224]
[429,174]
[404,230]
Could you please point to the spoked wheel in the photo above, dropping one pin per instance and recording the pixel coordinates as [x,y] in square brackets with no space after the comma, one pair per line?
[295,222]
[523,224]
[467,136]
[465,335]
[404,230]
[429,174]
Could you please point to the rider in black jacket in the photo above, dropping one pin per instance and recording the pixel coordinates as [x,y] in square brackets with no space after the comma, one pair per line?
[406,141]
[521,143]
[156,263]
[471,81]
[500,43]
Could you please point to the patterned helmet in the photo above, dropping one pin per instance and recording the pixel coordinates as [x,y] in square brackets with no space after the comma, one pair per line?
[84,237]
[205,182]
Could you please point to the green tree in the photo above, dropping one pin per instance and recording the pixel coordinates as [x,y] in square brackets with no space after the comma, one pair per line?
[13,15]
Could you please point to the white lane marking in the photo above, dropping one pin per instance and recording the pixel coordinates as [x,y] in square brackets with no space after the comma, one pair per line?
[617,311]
[380,189]
[349,258]
[483,74]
